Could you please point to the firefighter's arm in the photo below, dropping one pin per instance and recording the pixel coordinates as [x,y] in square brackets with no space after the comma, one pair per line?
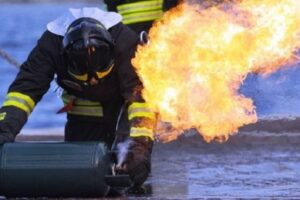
[142,122]
[12,118]
[6,129]
[32,81]
[135,148]
[141,119]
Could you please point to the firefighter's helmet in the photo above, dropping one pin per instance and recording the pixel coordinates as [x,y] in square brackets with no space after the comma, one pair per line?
[89,49]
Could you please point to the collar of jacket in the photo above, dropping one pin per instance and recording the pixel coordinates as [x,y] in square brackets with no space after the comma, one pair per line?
[60,25]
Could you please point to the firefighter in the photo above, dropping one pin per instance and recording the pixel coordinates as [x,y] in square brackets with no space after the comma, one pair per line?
[139,15]
[89,52]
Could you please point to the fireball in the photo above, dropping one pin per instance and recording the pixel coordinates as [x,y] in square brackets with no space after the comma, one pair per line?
[199,56]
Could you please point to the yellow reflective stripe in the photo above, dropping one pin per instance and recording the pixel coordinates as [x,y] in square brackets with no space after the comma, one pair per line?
[135,105]
[83,102]
[141,131]
[141,114]
[105,73]
[2,116]
[140,6]
[87,111]
[18,105]
[83,106]
[142,17]
[83,77]
[20,101]
[24,97]
[139,110]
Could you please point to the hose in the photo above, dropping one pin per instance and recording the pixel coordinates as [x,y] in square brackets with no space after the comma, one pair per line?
[9,59]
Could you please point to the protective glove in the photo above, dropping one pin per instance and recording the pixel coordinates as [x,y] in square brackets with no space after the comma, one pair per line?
[134,157]
[6,137]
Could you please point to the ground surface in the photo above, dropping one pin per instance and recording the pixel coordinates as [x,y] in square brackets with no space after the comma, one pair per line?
[250,165]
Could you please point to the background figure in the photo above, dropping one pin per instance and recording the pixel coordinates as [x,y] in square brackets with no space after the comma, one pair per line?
[139,15]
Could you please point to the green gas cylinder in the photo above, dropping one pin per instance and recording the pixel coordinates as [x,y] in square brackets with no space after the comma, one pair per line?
[54,169]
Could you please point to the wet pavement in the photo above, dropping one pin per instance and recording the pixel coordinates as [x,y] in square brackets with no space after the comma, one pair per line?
[250,165]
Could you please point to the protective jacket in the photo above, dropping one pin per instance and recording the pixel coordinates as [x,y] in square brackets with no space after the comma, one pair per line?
[139,15]
[92,110]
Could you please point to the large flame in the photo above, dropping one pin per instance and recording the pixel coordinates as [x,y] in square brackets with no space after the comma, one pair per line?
[198,57]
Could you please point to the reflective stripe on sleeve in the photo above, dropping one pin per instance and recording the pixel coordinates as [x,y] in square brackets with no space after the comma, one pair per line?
[19,100]
[141,131]
[140,6]
[141,11]
[142,17]
[139,110]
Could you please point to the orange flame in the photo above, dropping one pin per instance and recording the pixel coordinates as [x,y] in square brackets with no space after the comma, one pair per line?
[198,58]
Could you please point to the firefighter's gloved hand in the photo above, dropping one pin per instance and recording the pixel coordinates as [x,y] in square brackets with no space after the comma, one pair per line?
[137,160]
[6,137]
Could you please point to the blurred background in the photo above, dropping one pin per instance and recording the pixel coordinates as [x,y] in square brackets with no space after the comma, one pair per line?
[23,22]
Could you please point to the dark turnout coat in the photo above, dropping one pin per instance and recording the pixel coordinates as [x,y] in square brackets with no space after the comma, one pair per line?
[95,109]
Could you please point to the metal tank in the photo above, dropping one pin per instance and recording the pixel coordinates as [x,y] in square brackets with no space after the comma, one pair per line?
[54,169]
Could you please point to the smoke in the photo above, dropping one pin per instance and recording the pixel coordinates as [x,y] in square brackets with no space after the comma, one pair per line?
[122,152]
